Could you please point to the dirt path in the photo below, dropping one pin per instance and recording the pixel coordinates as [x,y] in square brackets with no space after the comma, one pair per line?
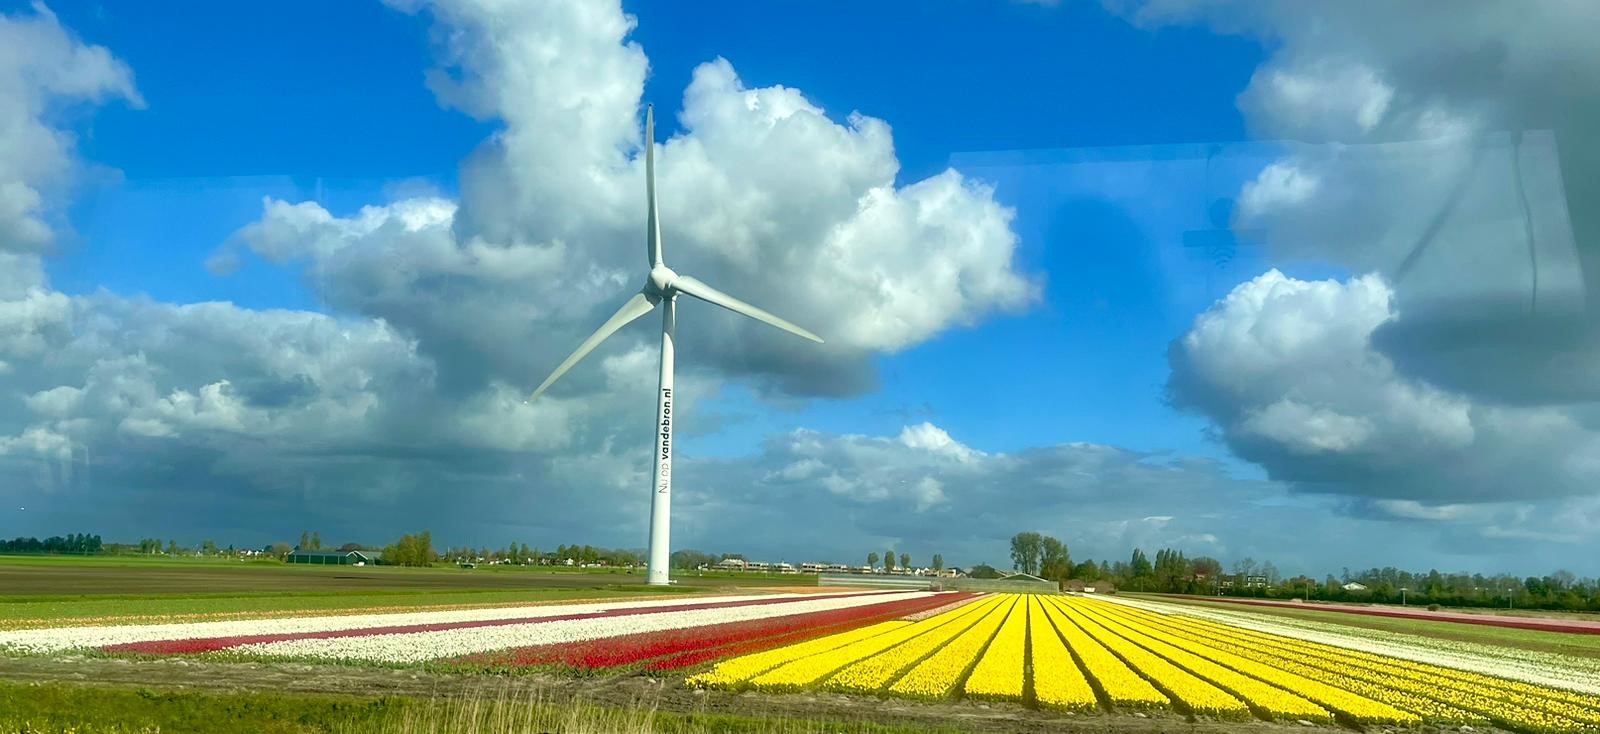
[624,691]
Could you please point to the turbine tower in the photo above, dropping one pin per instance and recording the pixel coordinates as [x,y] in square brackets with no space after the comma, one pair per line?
[662,285]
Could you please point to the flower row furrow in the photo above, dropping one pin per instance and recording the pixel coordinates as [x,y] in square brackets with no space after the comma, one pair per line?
[1000,673]
[1514,702]
[629,649]
[1198,695]
[1291,658]
[940,674]
[1122,686]
[204,644]
[1563,675]
[811,669]
[1356,708]
[1057,681]
[730,673]
[1272,700]
[875,672]
[48,640]
[1493,698]
[458,642]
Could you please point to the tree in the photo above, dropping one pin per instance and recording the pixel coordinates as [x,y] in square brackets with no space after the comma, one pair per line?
[305,541]
[938,562]
[1139,566]
[905,560]
[316,541]
[1026,549]
[872,560]
[888,560]
[1055,563]
[411,550]
[279,550]
[690,559]
[208,547]
[172,547]
[1171,570]
[983,571]
[1086,571]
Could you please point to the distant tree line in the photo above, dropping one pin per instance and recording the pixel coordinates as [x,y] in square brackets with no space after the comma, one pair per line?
[1561,590]
[411,550]
[524,554]
[79,543]
[1173,572]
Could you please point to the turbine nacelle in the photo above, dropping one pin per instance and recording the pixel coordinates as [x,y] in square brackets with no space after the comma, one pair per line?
[660,282]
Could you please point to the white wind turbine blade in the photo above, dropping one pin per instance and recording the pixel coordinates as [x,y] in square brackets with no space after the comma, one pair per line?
[653,237]
[639,305]
[711,295]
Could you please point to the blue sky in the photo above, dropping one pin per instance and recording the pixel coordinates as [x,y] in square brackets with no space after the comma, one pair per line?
[256,101]
[1165,305]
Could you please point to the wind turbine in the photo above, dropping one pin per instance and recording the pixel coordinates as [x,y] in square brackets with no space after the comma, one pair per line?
[662,285]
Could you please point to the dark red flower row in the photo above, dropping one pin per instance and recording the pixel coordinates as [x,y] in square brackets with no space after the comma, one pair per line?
[680,648]
[211,644]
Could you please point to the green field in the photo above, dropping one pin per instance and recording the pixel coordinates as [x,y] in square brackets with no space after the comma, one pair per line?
[81,709]
[42,590]
[1564,643]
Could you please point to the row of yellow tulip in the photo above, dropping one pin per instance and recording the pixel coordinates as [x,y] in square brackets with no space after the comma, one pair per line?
[1121,685]
[938,676]
[999,673]
[1184,687]
[1512,704]
[808,670]
[1271,678]
[1287,658]
[1274,701]
[875,672]
[740,669]
[1057,681]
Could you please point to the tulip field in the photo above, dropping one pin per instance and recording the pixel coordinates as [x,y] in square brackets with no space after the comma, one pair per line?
[1083,655]
[1077,654]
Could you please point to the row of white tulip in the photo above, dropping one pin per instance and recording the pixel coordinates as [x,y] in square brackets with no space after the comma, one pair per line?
[1541,668]
[413,647]
[53,639]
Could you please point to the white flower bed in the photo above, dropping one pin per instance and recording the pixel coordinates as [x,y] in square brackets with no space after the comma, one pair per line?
[419,646]
[1547,669]
[56,639]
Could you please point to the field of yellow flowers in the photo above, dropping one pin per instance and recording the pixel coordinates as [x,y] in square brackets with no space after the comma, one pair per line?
[1085,655]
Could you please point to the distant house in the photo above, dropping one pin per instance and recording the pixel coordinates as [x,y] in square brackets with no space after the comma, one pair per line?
[334,557]
[1073,585]
[731,564]
[1353,586]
